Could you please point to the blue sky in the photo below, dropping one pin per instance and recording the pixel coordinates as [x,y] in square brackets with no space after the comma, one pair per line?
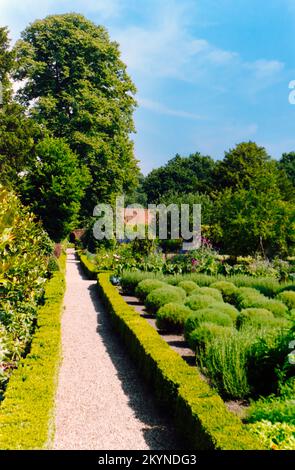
[209,73]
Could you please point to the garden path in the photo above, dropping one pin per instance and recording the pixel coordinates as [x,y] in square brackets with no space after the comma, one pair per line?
[101,403]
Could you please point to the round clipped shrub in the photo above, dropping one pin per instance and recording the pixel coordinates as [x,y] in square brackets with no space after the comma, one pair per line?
[292,315]
[144,288]
[226,288]
[205,315]
[278,308]
[188,286]
[254,317]
[246,297]
[215,293]
[165,295]
[205,333]
[228,309]
[171,317]
[195,302]
[288,297]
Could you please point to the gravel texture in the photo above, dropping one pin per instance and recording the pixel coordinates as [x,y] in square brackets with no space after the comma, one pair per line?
[101,402]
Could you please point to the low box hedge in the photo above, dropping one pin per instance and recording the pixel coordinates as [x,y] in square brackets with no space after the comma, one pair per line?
[199,412]
[26,413]
[89,268]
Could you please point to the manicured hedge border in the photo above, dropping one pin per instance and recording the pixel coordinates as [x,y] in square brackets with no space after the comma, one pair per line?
[89,268]
[200,413]
[26,414]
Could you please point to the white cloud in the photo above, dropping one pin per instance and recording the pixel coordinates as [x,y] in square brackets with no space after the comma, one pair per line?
[167,49]
[162,109]
[265,68]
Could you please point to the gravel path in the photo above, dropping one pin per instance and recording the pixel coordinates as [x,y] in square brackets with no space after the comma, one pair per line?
[101,403]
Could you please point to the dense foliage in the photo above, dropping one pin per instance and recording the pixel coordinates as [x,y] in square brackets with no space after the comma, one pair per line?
[247,198]
[24,252]
[78,88]
[239,335]
[55,186]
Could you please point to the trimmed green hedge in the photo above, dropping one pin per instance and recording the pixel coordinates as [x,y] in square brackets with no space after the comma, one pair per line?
[199,412]
[89,268]
[26,413]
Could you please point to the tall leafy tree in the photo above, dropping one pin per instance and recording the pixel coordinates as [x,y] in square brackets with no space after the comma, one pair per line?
[77,86]
[182,175]
[252,221]
[246,166]
[17,132]
[287,164]
[54,187]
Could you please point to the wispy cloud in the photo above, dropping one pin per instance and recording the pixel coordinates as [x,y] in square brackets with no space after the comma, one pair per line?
[162,109]
[165,47]
[265,68]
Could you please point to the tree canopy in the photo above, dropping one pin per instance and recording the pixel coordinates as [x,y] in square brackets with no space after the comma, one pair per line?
[181,174]
[18,133]
[54,187]
[77,87]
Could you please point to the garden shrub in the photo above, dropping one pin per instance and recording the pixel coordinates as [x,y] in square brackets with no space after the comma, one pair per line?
[202,280]
[162,296]
[278,308]
[215,293]
[195,302]
[145,287]
[288,297]
[129,280]
[265,285]
[199,337]
[26,413]
[188,286]
[205,315]
[278,436]
[254,316]
[227,289]
[53,265]
[288,287]
[272,409]
[226,308]
[199,412]
[89,267]
[225,363]
[268,356]
[172,316]
[247,297]
[24,253]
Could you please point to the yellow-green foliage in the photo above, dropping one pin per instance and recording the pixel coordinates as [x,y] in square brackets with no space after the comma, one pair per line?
[215,293]
[188,286]
[27,410]
[199,412]
[288,297]
[145,287]
[89,268]
[172,317]
[274,436]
